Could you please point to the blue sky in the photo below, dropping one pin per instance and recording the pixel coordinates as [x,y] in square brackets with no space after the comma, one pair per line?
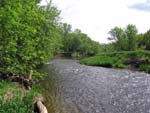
[145,6]
[97,17]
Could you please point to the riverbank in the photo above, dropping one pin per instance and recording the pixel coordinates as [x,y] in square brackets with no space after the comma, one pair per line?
[137,60]
[14,98]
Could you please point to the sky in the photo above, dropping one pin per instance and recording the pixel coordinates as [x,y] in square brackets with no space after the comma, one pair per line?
[97,17]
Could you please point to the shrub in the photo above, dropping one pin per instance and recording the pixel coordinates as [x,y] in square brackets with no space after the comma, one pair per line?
[145,67]
[76,55]
[119,65]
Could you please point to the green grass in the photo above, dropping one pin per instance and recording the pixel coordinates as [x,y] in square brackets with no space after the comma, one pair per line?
[15,99]
[105,61]
[137,59]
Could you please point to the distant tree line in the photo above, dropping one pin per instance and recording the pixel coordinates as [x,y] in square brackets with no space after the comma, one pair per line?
[127,49]
[128,39]
[77,42]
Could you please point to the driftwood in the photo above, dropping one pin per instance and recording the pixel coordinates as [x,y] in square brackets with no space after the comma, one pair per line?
[23,80]
[39,107]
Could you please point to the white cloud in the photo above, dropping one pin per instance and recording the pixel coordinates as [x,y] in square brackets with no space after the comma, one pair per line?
[97,17]
[145,6]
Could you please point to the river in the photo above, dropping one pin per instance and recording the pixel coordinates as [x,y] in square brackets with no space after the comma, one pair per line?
[75,88]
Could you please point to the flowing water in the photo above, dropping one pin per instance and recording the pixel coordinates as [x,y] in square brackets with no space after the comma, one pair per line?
[74,88]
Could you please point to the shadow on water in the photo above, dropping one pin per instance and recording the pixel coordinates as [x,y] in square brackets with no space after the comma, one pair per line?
[50,89]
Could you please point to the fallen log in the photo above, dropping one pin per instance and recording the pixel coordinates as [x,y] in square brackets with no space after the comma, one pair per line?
[39,107]
[26,81]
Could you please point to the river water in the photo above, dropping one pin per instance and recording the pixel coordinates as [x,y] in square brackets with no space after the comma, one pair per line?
[75,88]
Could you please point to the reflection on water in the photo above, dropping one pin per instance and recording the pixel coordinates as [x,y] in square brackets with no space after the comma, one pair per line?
[51,92]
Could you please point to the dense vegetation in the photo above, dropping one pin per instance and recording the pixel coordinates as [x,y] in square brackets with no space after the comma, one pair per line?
[128,39]
[124,59]
[78,43]
[14,99]
[127,49]
[28,35]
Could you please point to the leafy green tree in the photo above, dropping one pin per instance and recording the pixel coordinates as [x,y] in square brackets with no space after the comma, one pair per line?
[66,30]
[75,44]
[78,42]
[131,32]
[124,39]
[140,42]
[119,36]
[29,35]
[146,40]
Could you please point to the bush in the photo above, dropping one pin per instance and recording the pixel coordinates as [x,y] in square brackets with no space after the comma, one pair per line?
[119,65]
[145,67]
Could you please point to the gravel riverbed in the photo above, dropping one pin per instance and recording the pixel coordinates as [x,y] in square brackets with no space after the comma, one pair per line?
[89,89]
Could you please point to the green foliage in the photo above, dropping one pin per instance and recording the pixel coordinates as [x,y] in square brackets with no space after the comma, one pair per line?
[29,35]
[16,100]
[106,48]
[131,32]
[137,59]
[105,61]
[78,42]
[124,39]
[145,41]
[118,34]
[16,106]
[119,65]
[128,39]
[145,67]
[76,55]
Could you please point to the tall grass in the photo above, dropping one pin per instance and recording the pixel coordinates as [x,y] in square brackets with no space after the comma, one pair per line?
[136,59]
[105,61]
[14,99]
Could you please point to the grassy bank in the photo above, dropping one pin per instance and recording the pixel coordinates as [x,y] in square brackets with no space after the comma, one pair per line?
[15,99]
[124,59]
